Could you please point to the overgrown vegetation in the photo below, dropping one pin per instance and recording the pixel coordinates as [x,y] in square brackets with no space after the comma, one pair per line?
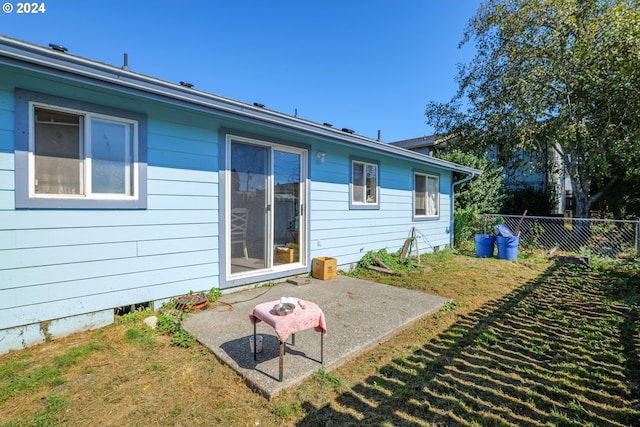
[477,197]
[174,312]
[467,223]
[519,343]
[382,258]
[169,320]
[484,193]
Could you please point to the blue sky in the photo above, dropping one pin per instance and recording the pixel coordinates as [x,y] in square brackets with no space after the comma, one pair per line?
[366,65]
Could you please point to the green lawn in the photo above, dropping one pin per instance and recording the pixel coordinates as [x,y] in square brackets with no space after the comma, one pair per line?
[530,342]
[562,350]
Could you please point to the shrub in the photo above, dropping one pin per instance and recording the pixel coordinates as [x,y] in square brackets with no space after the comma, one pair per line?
[167,325]
[183,339]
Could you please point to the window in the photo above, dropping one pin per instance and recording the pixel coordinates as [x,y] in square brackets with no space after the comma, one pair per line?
[364,185]
[81,154]
[75,155]
[426,196]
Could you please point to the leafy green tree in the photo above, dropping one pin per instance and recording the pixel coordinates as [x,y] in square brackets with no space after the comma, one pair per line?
[558,74]
[483,193]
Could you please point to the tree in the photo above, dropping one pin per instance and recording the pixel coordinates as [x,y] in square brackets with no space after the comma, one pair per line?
[483,193]
[473,198]
[558,73]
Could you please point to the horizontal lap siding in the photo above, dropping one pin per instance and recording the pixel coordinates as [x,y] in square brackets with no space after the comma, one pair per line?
[7,180]
[347,235]
[106,286]
[18,278]
[59,263]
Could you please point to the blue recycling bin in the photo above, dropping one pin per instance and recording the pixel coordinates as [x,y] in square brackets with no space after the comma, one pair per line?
[485,245]
[507,247]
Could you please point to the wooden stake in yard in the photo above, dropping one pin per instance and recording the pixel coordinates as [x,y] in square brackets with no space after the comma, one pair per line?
[415,239]
[516,232]
[405,249]
[381,267]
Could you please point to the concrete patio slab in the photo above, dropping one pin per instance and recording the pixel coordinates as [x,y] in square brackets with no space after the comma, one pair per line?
[360,315]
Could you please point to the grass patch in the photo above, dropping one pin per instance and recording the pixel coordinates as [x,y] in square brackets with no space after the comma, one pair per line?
[330,378]
[288,410]
[560,347]
[140,336]
[50,415]
[75,354]
[24,375]
[31,380]
[133,317]
[520,343]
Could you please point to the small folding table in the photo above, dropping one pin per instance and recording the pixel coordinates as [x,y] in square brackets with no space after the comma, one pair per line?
[305,315]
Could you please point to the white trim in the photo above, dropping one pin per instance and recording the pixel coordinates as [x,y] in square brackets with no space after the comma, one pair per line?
[304,200]
[85,155]
[364,175]
[427,194]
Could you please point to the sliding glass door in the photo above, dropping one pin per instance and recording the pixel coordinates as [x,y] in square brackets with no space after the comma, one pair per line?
[249,201]
[265,197]
[287,206]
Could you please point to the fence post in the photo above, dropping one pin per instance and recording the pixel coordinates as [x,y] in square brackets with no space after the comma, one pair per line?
[637,233]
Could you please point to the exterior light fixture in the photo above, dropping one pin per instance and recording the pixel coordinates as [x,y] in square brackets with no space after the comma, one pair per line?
[320,156]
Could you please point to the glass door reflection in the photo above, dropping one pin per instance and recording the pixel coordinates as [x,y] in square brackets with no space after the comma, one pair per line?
[287,222]
[249,200]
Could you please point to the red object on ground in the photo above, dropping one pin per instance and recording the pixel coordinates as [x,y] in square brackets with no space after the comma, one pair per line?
[199,301]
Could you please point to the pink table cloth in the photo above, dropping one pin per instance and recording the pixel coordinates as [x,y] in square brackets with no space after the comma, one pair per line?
[311,316]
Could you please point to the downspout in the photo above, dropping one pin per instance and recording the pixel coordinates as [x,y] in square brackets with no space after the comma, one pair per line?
[453,185]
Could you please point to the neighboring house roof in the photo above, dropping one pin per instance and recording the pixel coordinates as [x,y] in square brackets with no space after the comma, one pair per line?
[416,143]
[429,141]
[56,62]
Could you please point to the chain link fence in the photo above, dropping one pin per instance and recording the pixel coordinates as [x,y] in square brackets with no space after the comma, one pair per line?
[582,236]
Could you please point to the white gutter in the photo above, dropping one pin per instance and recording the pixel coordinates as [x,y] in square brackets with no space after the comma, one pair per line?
[453,185]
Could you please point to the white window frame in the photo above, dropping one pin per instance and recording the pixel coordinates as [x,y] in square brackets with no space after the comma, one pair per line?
[435,201]
[135,196]
[84,130]
[364,204]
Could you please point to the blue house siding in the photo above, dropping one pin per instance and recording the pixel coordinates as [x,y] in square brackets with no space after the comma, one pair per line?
[64,270]
[347,234]
[74,262]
